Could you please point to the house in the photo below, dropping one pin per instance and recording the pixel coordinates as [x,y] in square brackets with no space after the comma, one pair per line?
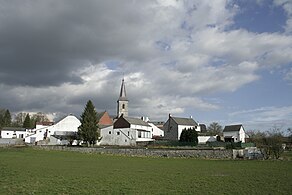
[14,132]
[64,127]
[234,133]
[126,131]
[103,119]
[156,132]
[39,125]
[174,126]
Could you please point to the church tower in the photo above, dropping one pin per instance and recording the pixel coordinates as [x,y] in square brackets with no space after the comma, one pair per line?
[122,101]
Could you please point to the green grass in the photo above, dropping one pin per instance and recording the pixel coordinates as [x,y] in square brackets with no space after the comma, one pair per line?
[31,171]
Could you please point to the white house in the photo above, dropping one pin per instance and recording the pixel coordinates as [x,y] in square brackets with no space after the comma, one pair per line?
[126,131]
[174,126]
[14,132]
[156,131]
[234,133]
[65,126]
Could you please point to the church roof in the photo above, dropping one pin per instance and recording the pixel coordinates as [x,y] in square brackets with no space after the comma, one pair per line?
[123,95]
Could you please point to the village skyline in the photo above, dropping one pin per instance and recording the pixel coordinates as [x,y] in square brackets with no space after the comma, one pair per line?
[224,61]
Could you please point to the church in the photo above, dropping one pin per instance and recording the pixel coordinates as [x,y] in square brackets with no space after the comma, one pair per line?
[126,131]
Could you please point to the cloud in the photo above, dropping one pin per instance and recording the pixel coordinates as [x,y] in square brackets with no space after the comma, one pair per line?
[265,118]
[287,6]
[56,55]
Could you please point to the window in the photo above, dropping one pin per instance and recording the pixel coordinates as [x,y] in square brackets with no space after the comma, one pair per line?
[128,133]
[118,133]
[125,140]
[109,132]
[139,134]
[123,106]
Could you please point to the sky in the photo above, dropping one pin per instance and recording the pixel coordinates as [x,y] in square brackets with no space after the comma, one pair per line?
[226,61]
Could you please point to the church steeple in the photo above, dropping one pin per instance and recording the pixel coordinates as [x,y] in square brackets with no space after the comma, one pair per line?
[123,95]
[122,101]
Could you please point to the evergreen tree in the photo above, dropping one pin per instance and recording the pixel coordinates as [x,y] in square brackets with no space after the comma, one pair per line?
[189,135]
[27,122]
[183,136]
[88,130]
[7,119]
[2,112]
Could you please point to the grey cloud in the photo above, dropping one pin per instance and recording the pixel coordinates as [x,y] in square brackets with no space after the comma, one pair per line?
[45,41]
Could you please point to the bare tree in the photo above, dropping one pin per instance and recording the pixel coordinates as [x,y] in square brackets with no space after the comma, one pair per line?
[270,143]
[215,129]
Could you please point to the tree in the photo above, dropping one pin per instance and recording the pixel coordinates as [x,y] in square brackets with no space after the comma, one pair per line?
[215,129]
[39,117]
[27,122]
[189,135]
[7,118]
[2,113]
[19,119]
[88,130]
[270,143]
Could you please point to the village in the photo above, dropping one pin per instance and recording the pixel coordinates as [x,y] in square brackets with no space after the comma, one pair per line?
[121,130]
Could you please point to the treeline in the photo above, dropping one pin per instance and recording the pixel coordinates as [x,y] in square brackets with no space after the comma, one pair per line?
[21,119]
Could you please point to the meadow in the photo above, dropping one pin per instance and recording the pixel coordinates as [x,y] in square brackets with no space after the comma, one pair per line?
[32,171]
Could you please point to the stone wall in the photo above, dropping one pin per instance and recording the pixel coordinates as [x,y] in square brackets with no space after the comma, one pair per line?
[10,142]
[189,153]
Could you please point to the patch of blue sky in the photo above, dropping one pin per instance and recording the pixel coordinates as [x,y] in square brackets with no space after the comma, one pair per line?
[259,17]
[269,90]
[112,64]
[217,62]
[163,45]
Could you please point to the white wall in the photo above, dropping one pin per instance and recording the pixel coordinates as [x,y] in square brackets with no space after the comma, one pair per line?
[155,131]
[241,135]
[14,134]
[205,139]
[69,123]
[119,137]
[124,136]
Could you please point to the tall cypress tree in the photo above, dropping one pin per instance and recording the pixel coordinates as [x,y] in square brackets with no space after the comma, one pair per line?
[88,130]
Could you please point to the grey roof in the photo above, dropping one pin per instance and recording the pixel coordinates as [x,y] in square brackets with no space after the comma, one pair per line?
[232,128]
[136,121]
[185,121]
[13,129]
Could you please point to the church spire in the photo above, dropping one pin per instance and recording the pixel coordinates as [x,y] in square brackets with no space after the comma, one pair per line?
[123,95]
[122,101]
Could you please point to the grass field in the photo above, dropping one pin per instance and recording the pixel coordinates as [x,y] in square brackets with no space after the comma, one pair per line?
[31,171]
